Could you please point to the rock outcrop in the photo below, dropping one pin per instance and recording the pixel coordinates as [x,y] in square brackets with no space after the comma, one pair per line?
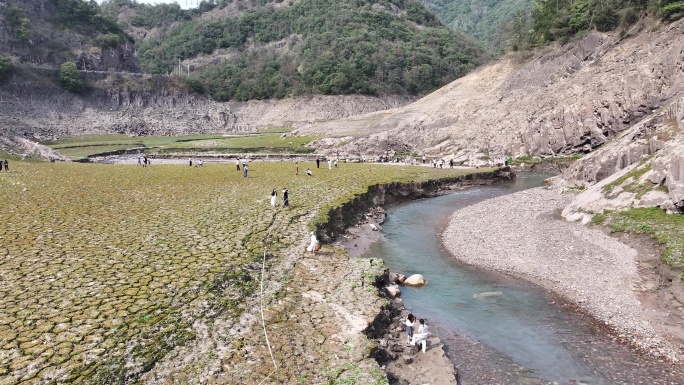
[567,100]
[642,167]
[27,148]
[160,106]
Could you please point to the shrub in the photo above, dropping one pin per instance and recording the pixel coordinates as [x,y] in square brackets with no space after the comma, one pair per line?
[109,40]
[19,23]
[673,11]
[69,77]
[5,67]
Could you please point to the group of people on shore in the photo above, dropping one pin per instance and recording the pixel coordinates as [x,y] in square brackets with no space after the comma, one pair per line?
[420,337]
[143,160]
[4,164]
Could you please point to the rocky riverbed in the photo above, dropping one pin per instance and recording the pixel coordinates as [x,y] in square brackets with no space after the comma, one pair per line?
[523,235]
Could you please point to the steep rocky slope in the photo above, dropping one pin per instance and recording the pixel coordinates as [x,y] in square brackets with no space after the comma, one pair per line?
[158,105]
[51,32]
[566,100]
[642,167]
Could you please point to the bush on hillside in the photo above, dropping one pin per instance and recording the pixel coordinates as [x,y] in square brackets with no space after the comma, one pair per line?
[20,24]
[672,11]
[69,77]
[5,67]
[86,16]
[563,19]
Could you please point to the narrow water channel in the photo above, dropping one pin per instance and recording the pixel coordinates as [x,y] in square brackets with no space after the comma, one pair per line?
[527,337]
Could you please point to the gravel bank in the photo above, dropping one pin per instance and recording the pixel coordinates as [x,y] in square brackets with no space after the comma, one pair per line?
[522,234]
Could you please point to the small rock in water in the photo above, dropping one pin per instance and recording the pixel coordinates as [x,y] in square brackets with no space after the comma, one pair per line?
[488,294]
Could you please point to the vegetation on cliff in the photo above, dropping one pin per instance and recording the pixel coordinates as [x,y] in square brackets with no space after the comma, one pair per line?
[69,77]
[5,67]
[491,22]
[308,47]
[563,19]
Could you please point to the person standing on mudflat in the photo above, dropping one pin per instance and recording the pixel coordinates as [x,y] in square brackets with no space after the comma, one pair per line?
[318,163]
[274,197]
[0,165]
[286,198]
[244,170]
[314,242]
[6,165]
[237,163]
[410,320]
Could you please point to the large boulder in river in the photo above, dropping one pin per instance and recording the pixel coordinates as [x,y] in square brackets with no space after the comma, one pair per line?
[415,280]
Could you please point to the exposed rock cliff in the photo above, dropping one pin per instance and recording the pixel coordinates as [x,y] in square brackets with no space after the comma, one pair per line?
[47,41]
[567,100]
[159,106]
[642,167]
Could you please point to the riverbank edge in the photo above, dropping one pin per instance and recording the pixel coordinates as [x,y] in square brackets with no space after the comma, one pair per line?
[387,327]
[643,343]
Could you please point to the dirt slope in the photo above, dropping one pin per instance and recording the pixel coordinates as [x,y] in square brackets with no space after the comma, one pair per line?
[566,100]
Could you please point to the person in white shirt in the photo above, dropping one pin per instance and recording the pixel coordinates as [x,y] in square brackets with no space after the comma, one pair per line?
[421,336]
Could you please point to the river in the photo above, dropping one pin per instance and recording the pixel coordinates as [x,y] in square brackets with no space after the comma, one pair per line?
[518,333]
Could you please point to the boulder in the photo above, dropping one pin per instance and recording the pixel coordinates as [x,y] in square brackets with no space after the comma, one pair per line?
[415,280]
[393,290]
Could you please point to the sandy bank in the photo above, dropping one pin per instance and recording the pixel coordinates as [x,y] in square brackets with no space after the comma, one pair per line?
[522,234]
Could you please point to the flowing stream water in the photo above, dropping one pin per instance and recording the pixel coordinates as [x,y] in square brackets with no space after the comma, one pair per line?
[528,337]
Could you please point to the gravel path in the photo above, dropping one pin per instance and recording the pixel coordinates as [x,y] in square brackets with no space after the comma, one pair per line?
[522,234]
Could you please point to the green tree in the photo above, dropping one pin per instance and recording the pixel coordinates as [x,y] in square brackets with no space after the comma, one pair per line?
[69,77]
[5,67]
[19,23]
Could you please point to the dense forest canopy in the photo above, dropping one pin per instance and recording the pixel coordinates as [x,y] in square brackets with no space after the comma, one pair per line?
[491,22]
[563,19]
[309,47]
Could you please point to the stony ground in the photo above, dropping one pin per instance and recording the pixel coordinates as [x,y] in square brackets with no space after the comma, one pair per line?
[523,235]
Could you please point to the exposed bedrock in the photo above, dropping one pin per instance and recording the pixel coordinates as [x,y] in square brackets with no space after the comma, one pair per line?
[569,99]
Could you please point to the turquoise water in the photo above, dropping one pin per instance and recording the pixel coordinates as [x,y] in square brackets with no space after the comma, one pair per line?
[520,323]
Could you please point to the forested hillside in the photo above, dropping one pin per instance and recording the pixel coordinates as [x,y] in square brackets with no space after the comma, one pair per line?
[491,22]
[273,49]
[563,19]
[50,32]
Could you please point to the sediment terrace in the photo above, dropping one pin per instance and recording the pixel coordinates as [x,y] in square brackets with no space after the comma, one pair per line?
[117,273]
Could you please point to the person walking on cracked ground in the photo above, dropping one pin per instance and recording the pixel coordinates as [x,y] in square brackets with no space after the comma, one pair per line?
[274,197]
[314,243]
[6,163]
[286,198]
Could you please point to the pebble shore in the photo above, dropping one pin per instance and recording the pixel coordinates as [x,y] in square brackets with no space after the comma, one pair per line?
[523,235]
